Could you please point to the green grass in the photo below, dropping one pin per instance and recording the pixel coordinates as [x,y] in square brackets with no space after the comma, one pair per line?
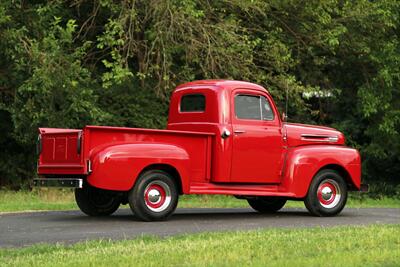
[57,199]
[38,199]
[341,246]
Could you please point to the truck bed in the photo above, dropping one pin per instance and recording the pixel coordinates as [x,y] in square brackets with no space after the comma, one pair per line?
[71,151]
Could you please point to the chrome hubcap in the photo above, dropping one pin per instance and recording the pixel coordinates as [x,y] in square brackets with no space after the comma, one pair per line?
[326,193]
[154,195]
[157,196]
[329,193]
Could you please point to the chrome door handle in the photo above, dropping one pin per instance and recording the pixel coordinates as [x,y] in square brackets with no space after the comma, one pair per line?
[239,131]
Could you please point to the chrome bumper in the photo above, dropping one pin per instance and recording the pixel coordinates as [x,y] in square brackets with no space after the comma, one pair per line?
[58,182]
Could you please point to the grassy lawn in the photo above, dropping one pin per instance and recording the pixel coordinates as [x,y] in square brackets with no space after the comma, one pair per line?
[341,246]
[57,199]
[38,199]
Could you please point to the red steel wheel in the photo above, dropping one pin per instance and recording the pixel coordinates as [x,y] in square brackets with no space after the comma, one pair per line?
[157,196]
[327,194]
[154,196]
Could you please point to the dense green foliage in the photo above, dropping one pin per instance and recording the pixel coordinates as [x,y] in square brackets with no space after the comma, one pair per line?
[71,63]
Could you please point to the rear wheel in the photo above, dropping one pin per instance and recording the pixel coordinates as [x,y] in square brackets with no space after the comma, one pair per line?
[96,202]
[327,194]
[267,204]
[154,196]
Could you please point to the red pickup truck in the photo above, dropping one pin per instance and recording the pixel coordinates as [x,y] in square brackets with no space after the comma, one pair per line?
[223,137]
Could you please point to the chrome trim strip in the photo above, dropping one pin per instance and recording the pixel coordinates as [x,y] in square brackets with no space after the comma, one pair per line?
[333,139]
[319,138]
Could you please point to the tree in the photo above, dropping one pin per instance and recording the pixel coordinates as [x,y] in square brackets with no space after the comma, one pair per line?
[105,62]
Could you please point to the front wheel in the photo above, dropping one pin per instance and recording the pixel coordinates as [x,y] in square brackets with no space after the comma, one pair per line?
[267,204]
[327,194]
[96,202]
[154,196]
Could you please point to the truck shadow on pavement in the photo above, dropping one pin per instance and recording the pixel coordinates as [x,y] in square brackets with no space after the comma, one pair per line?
[194,215]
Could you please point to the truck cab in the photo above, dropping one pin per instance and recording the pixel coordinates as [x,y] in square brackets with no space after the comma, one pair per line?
[222,137]
[247,120]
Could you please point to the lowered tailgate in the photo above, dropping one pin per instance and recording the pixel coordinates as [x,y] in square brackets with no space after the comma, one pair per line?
[60,151]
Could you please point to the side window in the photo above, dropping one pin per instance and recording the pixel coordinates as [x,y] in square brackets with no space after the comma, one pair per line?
[267,113]
[247,107]
[250,107]
[193,103]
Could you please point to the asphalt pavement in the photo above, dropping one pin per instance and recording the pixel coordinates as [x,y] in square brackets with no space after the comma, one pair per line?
[67,227]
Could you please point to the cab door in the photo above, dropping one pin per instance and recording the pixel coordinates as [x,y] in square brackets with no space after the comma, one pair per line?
[258,152]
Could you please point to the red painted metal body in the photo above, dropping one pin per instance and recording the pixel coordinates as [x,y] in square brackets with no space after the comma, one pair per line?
[259,158]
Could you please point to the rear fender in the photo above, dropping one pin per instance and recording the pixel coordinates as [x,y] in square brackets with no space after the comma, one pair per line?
[117,167]
[304,162]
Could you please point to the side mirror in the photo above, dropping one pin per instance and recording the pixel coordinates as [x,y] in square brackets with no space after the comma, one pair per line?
[284,116]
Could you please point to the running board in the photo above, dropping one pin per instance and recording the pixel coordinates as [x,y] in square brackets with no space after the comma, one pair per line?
[238,189]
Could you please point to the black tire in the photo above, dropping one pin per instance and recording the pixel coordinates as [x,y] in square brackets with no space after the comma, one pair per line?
[96,202]
[327,194]
[267,204]
[154,196]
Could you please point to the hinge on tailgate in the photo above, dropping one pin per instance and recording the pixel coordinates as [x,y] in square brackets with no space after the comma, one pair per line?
[79,143]
[39,145]
[89,166]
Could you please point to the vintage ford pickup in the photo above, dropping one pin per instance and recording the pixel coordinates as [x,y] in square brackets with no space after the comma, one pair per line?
[223,137]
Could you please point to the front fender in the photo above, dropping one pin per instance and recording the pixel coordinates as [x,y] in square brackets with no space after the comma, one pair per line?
[304,162]
[116,167]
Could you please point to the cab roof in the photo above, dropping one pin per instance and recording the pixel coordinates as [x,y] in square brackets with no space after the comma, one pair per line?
[220,85]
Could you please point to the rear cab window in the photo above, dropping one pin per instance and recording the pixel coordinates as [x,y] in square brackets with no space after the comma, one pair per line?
[193,103]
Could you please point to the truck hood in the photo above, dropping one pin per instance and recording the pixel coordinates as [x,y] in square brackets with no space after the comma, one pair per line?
[303,134]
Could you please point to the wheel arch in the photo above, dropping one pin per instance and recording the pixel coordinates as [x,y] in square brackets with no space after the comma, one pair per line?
[342,171]
[171,170]
[305,162]
[117,167]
